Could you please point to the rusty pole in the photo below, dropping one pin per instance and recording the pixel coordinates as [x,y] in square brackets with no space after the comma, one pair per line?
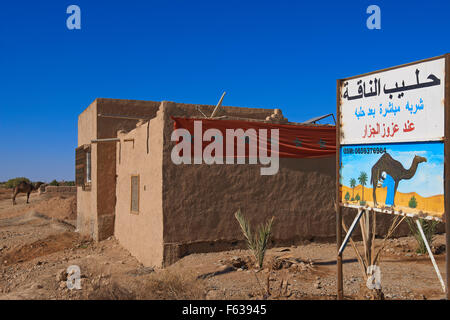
[446,170]
[340,282]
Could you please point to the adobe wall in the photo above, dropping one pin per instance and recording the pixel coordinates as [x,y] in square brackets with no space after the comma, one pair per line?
[199,201]
[87,200]
[58,189]
[183,109]
[141,233]
[106,153]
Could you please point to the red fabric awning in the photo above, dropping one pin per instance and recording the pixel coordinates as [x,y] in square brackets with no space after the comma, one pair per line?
[295,141]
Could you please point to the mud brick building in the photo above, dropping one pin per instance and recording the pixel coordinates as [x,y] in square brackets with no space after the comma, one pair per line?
[128,186]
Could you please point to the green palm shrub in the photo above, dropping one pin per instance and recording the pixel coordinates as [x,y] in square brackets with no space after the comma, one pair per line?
[429,229]
[257,243]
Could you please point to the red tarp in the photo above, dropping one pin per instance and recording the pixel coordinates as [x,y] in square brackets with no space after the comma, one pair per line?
[295,141]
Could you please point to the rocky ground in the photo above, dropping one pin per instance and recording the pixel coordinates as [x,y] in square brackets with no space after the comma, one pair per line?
[38,244]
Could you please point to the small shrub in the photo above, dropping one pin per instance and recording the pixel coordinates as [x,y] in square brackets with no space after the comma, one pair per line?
[172,285]
[112,291]
[429,229]
[12,183]
[352,199]
[412,202]
[347,196]
[54,183]
[357,198]
[257,242]
[363,203]
[163,285]
[64,183]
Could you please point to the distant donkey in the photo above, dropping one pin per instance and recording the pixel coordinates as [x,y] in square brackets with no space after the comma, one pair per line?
[25,187]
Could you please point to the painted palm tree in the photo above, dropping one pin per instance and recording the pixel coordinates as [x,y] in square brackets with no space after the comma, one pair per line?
[353,185]
[363,181]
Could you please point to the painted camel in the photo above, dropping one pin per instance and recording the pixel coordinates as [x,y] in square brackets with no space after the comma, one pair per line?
[393,168]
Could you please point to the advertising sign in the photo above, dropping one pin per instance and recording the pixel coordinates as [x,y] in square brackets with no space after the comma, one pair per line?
[391,136]
[407,177]
[398,105]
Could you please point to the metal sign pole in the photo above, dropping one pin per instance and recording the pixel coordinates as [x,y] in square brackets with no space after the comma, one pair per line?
[340,280]
[446,170]
[430,253]
[350,231]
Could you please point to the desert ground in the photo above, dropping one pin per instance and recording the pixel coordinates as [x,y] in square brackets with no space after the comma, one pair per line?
[38,242]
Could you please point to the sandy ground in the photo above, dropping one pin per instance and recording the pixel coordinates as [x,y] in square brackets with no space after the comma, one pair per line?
[38,244]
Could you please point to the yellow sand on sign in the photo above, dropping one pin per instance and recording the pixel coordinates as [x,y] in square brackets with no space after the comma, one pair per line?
[433,206]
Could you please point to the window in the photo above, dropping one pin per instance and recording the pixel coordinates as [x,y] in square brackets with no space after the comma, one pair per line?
[83,167]
[135,194]
[88,166]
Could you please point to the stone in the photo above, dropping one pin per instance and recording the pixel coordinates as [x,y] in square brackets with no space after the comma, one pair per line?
[213,295]
[37,286]
[61,275]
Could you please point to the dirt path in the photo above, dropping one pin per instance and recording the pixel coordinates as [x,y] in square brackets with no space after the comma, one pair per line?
[37,245]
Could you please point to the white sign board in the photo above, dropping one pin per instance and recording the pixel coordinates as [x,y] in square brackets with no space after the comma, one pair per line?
[399,105]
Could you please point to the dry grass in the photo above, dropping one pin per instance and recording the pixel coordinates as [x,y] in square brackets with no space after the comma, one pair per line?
[370,257]
[112,291]
[5,193]
[163,285]
[171,285]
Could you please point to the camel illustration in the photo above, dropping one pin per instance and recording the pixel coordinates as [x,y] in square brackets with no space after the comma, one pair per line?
[393,168]
[25,187]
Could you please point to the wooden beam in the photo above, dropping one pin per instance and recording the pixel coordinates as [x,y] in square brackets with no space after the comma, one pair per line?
[216,109]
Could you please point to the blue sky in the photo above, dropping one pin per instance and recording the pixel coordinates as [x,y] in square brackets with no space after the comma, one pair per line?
[284,54]
[428,180]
